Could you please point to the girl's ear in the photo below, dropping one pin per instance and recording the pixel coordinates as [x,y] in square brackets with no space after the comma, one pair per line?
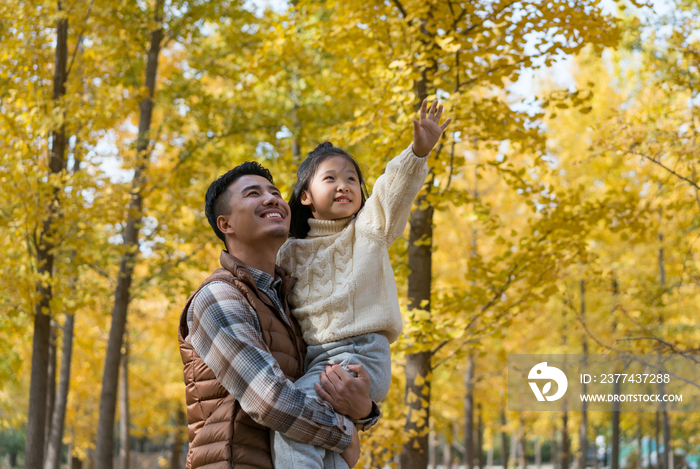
[306,200]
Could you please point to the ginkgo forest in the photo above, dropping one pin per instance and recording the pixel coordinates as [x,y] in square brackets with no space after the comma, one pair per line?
[560,214]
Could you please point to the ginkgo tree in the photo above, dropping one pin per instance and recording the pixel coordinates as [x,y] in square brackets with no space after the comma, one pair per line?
[535,231]
[48,98]
[404,52]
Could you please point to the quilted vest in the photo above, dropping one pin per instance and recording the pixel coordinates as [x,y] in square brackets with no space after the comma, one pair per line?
[221,435]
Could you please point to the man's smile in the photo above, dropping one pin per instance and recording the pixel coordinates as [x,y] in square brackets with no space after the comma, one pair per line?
[273,213]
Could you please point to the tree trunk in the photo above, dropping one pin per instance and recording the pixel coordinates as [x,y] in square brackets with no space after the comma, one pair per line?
[521,442]
[55,439]
[649,450]
[504,440]
[432,447]
[615,417]
[489,453]
[469,414]
[446,454]
[296,125]
[36,418]
[108,398]
[124,440]
[53,455]
[296,151]
[514,448]
[538,453]
[69,459]
[596,463]
[414,453]
[177,440]
[615,463]
[640,461]
[469,399]
[583,434]
[50,388]
[583,430]
[668,451]
[480,440]
[656,441]
[555,450]
[90,459]
[565,448]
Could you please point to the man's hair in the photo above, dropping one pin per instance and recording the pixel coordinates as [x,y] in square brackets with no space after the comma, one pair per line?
[216,200]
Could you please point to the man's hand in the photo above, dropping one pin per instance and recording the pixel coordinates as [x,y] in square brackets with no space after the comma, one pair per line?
[427,131]
[352,454]
[348,395]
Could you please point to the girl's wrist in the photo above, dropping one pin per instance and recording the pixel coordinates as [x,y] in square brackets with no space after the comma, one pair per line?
[419,152]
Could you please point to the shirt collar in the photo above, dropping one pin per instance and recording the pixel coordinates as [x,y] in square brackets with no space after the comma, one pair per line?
[264,281]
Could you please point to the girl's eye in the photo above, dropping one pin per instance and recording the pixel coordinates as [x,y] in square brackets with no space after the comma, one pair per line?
[328,177]
[351,179]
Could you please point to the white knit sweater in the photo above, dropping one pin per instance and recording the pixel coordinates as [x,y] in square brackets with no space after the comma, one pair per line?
[345,285]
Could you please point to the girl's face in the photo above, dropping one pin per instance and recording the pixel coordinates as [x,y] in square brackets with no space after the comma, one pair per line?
[334,191]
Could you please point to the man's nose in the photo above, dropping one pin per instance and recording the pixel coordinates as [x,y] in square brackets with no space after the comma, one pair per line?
[271,199]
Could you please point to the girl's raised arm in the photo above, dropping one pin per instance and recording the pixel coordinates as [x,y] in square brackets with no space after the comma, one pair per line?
[386,212]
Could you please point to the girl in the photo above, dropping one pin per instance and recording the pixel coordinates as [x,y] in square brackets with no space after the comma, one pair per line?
[345,298]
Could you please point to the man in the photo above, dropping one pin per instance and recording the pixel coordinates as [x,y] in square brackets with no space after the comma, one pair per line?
[242,349]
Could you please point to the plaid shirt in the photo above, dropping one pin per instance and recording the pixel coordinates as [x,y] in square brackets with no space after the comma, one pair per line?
[225,332]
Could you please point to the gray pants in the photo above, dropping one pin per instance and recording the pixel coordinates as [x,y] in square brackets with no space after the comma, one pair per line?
[369,350]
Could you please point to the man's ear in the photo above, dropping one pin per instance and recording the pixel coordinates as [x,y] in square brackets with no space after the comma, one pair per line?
[224,225]
[306,200]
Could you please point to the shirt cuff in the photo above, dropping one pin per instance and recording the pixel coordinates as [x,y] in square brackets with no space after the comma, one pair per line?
[368,422]
[420,158]
[345,425]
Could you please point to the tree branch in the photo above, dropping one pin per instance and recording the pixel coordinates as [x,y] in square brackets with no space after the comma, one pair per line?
[165,268]
[103,273]
[495,13]
[624,353]
[398,5]
[80,38]
[689,181]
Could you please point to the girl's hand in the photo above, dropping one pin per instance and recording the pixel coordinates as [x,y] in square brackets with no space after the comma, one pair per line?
[427,131]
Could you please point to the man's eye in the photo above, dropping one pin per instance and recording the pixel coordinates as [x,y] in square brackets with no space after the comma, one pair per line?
[253,193]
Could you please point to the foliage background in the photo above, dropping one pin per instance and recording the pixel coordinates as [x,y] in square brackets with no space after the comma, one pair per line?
[566,215]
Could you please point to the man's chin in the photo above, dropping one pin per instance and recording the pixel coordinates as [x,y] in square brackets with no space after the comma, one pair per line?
[278,232]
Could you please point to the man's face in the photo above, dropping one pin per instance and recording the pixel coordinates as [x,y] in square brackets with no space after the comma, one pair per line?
[258,212]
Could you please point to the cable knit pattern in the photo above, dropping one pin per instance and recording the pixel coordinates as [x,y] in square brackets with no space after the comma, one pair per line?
[345,285]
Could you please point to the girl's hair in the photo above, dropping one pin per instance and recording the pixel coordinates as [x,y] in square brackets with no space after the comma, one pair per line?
[299,226]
